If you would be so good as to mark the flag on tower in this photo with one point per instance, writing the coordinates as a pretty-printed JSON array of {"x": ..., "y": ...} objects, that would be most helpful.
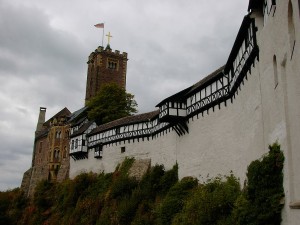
[{"x": 99, "y": 25}]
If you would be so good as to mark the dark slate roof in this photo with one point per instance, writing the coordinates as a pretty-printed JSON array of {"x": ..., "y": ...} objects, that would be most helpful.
[
  {"x": 178, "y": 97},
  {"x": 61, "y": 113},
  {"x": 181, "y": 96},
  {"x": 126, "y": 121},
  {"x": 255, "y": 4},
  {"x": 82, "y": 129},
  {"x": 77, "y": 114},
  {"x": 206, "y": 80},
  {"x": 78, "y": 122},
  {"x": 238, "y": 42}
]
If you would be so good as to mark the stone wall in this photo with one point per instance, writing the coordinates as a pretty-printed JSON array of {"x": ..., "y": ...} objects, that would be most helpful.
[{"x": 26, "y": 181}]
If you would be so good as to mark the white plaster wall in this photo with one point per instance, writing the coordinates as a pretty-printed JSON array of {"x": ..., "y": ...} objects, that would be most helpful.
[
  {"x": 161, "y": 150},
  {"x": 281, "y": 105},
  {"x": 225, "y": 140},
  {"x": 229, "y": 138}
]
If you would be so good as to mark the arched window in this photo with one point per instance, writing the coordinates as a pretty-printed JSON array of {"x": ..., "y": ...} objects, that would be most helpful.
[
  {"x": 275, "y": 70},
  {"x": 58, "y": 134},
  {"x": 65, "y": 152},
  {"x": 56, "y": 154},
  {"x": 67, "y": 133},
  {"x": 291, "y": 28}
]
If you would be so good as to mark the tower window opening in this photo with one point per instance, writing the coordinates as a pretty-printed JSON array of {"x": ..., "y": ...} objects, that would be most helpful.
[{"x": 112, "y": 64}]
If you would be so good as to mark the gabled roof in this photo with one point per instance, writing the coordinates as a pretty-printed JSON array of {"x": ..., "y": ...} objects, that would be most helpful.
[
  {"x": 62, "y": 113},
  {"x": 126, "y": 121},
  {"x": 75, "y": 115},
  {"x": 82, "y": 129}
]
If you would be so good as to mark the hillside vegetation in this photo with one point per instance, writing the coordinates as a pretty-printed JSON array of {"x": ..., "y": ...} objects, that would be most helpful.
[{"x": 159, "y": 198}]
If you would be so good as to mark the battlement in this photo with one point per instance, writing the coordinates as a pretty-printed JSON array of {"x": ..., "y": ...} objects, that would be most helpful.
[{"x": 106, "y": 51}]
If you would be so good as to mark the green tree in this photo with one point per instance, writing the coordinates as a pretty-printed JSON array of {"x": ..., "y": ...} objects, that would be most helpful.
[{"x": 111, "y": 103}]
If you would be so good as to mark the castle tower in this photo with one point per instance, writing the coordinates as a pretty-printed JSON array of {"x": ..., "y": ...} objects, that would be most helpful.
[{"x": 105, "y": 66}]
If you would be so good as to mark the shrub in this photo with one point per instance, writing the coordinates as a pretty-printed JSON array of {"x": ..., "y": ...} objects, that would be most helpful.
[
  {"x": 260, "y": 202},
  {"x": 174, "y": 200},
  {"x": 210, "y": 203}
]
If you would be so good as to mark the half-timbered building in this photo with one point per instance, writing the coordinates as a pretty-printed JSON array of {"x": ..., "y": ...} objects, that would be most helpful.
[
  {"x": 227, "y": 119},
  {"x": 215, "y": 126}
]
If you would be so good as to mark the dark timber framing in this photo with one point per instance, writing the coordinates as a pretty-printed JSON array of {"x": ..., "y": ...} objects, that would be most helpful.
[{"x": 175, "y": 111}]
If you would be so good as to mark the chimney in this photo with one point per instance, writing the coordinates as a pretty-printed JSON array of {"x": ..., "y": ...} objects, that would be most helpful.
[{"x": 41, "y": 120}]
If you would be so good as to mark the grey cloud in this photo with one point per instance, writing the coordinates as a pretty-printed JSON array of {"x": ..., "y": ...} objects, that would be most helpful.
[{"x": 44, "y": 46}]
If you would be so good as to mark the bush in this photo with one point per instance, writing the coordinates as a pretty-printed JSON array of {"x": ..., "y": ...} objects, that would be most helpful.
[
  {"x": 211, "y": 203},
  {"x": 174, "y": 200},
  {"x": 260, "y": 202}
]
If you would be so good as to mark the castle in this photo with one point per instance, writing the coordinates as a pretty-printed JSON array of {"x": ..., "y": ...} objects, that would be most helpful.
[{"x": 215, "y": 126}]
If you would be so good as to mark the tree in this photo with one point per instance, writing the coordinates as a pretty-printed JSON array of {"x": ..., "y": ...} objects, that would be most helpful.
[{"x": 112, "y": 102}]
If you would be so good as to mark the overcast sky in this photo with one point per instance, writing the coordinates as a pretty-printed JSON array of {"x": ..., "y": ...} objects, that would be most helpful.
[{"x": 44, "y": 47}]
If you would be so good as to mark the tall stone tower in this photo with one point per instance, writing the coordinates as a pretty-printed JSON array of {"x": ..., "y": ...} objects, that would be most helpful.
[{"x": 105, "y": 66}]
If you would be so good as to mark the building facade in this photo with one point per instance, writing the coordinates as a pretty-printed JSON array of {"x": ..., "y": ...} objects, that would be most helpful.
[
  {"x": 50, "y": 159},
  {"x": 64, "y": 135},
  {"x": 216, "y": 126},
  {"x": 226, "y": 120}
]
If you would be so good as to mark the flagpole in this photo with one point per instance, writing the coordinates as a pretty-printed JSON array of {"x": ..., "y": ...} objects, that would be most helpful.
[
  {"x": 102, "y": 37},
  {"x": 101, "y": 25}
]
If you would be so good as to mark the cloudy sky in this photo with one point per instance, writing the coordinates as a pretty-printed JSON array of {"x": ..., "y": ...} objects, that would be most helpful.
[{"x": 44, "y": 46}]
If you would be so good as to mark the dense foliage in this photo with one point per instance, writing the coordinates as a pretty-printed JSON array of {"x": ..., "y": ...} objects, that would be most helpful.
[
  {"x": 111, "y": 103},
  {"x": 159, "y": 198},
  {"x": 260, "y": 202}
]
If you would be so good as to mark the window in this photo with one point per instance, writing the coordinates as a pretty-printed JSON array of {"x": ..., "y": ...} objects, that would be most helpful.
[
  {"x": 65, "y": 152},
  {"x": 56, "y": 154},
  {"x": 67, "y": 134},
  {"x": 76, "y": 143},
  {"x": 72, "y": 146},
  {"x": 58, "y": 134},
  {"x": 98, "y": 152},
  {"x": 83, "y": 142},
  {"x": 123, "y": 149},
  {"x": 112, "y": 64},
  {"x": 275, "y": 71}
]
